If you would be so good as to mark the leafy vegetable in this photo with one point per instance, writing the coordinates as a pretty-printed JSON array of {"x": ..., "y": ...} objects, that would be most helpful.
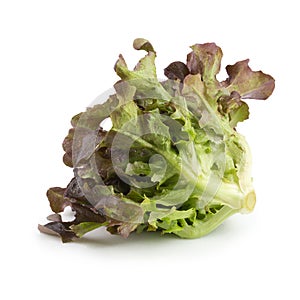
[{"x": 172, "y": 161}]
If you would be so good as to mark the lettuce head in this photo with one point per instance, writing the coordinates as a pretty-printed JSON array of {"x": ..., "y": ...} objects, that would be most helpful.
[{"x": 172, "y": 160}]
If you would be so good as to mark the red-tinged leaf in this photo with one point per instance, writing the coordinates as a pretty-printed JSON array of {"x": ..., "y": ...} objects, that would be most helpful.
[
  {"x": 57, "y": 200},
  {"x": 249, "y": 84},
  {"x": 67, "y": 146},
  {"x": 205, "y": 60},
  {"x": 176, "y": 70},
  {"x": 58, "y": 228}
]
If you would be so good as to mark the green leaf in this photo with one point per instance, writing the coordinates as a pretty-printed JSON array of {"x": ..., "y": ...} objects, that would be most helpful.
[
  {"x": 143, "y": 77},
  {"x": 239, "y": 114},
  {"x": 85, "y": 227},
  {"x": 144, "y": 69},
  {"x": 232, "y": 106},
  {"x": 127, "y": 109}
]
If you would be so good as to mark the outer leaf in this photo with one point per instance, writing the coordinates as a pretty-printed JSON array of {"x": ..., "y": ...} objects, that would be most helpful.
[
  {"x": 239, "y": 114},
  {"x": 68, "y": 142},
  {"x": 67, "y": 146},
  {"x": 249, "y": 84},
  {"x": 57, "y": 200},
  {"x": 232, "y": 106},
  {"x": 84, "y": 215},
  {"x": 58, "y": 228},
  {"x": 143, "y": 77},
  {"x": 143, "y": 44},
  {"x": 127, "y": 109},
  {"x": 84, "y": 227},
  {"x": 205, "y": 60},
  {"x": 145, "y": 67},
  {"x": 177, "y": 70},
  {"x": 73, "y": 191}
]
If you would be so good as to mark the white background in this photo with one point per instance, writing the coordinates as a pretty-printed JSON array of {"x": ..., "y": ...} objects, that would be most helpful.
[{"x": 55, "y": 58}]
